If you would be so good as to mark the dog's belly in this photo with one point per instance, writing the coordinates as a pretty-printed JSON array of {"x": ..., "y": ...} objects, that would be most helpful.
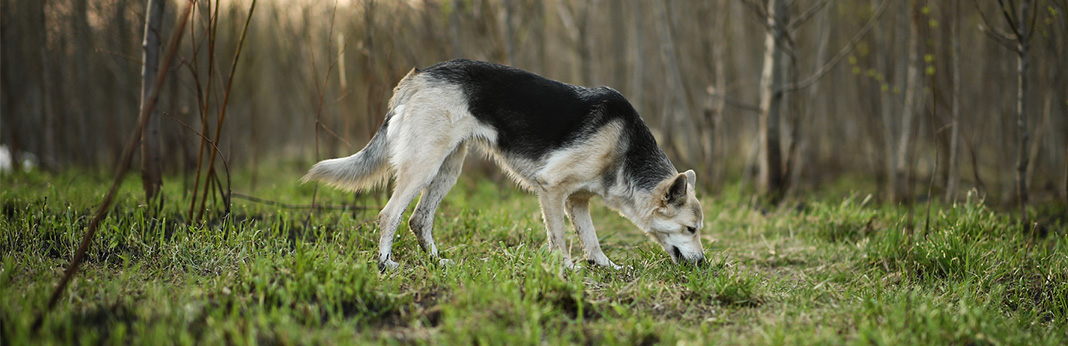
[{"x": 578, "y": 166}]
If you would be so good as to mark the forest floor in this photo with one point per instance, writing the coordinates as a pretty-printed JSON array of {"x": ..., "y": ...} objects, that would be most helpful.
[{"x": 828, "y": 270}]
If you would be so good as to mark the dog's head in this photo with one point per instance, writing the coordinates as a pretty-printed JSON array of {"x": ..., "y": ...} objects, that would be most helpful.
[{"x": 676, "y": 218}]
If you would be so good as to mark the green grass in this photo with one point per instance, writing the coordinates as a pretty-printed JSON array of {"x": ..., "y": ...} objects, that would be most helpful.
[{"x": 835, "y": 270}]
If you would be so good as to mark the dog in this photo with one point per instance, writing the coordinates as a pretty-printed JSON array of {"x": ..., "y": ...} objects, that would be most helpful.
[{"x": 563, "y": 142}]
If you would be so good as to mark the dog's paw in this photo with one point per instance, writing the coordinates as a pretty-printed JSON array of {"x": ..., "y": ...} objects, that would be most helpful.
[
  {"x": 445, "y": 262},
  {"x": 606, "y": 263},
  {"x": 387, "y": 265}
]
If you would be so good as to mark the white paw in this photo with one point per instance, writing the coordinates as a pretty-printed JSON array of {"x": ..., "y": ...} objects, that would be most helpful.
[
  {"x": 606, "y": 263},
  {"x": 387, "y": 265},
  {"x": 445, "y": 262}
]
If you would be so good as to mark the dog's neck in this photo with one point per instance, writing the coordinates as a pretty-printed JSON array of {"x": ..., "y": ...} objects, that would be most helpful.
[{"x": 634, "y": 202}]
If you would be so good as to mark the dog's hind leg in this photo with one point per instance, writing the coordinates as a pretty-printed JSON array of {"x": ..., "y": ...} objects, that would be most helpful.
[
  {"x": 414, "y": 172},
  {"x": 422, "y": 221},
  {"x": 578, "y": 210}
]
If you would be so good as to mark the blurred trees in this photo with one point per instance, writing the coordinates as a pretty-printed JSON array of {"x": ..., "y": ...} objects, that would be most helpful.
[{"x": 693, "y": 69}]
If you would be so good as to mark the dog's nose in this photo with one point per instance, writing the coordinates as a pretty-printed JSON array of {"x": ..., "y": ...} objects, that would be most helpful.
[{"x": 697, "y": 260}]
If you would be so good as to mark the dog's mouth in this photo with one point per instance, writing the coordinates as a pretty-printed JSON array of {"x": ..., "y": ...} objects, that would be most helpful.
[{"x": 676, "y": 256}]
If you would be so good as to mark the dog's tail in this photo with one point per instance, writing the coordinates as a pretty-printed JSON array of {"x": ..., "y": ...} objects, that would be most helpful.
[
  {"x": 363, "y": 170},
  {"x": 369, "y": 167}
]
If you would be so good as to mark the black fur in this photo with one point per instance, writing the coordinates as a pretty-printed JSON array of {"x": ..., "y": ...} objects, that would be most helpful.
[{"x": 534, "y": 116}]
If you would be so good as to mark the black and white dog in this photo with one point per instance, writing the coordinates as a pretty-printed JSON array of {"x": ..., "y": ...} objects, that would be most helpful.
[{"x": 566, "y": 143}]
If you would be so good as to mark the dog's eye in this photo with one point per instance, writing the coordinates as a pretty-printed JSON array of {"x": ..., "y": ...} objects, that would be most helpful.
[{"x": 691, "y": 230}]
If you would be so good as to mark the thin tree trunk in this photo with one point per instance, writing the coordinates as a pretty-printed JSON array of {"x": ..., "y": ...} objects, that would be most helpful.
[
  {"x": 682, "y": 116},
  {"x": 454, "y": 29},
  {"x": 719, "y": 56},
  {"x": 886, "y": 111},
  {"x": 1023, "y": 56},
  {"x": 772, "y": 182},
  {"x": 83, "y": 93},
  {"x": 908, "y": 112},
  {"x": 804, "y": 152},
  {"x": 50, "y": 159},
  {"x": 954, "y": 141},
  {"x": 509, "y": 28},
  {"x": 150, "y": 144},
  {"x": 619, "y": 46},
  {"x": 637, "y": 81}
]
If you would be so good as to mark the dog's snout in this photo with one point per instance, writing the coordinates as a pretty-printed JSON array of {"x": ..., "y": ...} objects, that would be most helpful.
[{"x": 699, "y": 261}]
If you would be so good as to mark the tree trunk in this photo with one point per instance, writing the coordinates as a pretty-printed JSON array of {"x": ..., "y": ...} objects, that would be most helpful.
[
  {"x": 908, "y": 112},
  {"x": 804, "y": 153},
  {"x": 454, "y": 29},
  {"x": 637, "y": 81},
  {"x": 1022, "y": 61},
  {"x": 51, "y": 156},
  {"x": 885, "y": 103},
  {"x": 954, "y": 141},
  {"x": 681, "y": 114},
  {"x": 772, "y": 182},
  {"x": 150, "y": 143},
  {"x": 83, "y": 93},
  {"x": 719, "y": 55},
  {"x": 509, "y": 28},
  {"x": 619, "y": 46}
]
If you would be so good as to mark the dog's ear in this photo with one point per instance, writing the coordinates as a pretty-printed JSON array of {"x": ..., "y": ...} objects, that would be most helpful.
[
  {"x": 691, "y": 178},
  {"x": 676, "y": 193}
]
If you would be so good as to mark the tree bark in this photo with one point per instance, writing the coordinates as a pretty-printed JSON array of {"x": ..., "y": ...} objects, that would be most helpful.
[
  {"x": 637, "y": 80},
  {"x": 908, "y": 112},
  {"x": 719, "y": 55},
  {"x": 954, "y": 140},
  {"x": 772, "y": 182},
  {"x": 681, "y": 114},
  {"x": 509, "y": 28},
  {"x": 83, "y": 94},
  {"x": 151, "y": 171},
  {"x": 1023, "y": 49},
  {"x": 885, "y": 103}
]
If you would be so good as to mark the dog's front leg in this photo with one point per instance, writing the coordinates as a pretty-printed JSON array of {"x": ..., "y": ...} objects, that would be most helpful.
[
  {"x": 552, "y": 210},
  {"x": 578, "y": 209}
]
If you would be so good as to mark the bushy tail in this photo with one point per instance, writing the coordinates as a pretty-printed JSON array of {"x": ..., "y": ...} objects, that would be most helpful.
[{"x": 363, "y": 170}]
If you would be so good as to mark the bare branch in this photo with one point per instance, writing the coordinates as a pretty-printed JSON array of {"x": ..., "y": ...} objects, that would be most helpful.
[
  {"x": 225, "y": 162},
  {"x": 1010, "y": 18},
  {"x": 823, "y": 70},
  {"x": 1031, "y": 26},
  {"x": 1000, "y": 38},
  {"x": 736, "y": 102},
  {"x": 804, "y": 17}
]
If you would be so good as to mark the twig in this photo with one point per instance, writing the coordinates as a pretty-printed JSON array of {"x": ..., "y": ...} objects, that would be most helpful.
[
  {"x": 302, "y": 206},
  {"x": 204, "y": 100},
  {"x": 804, "y": 17},
  {"x": 734, "y": 102},
  {"x": 322, "y": 90},
  {"x": 807, "y": 82},
  {"x": 226, "y": 98},
  {"x": 225, "y": 162},
  {"x": 120, "y": 172}
]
